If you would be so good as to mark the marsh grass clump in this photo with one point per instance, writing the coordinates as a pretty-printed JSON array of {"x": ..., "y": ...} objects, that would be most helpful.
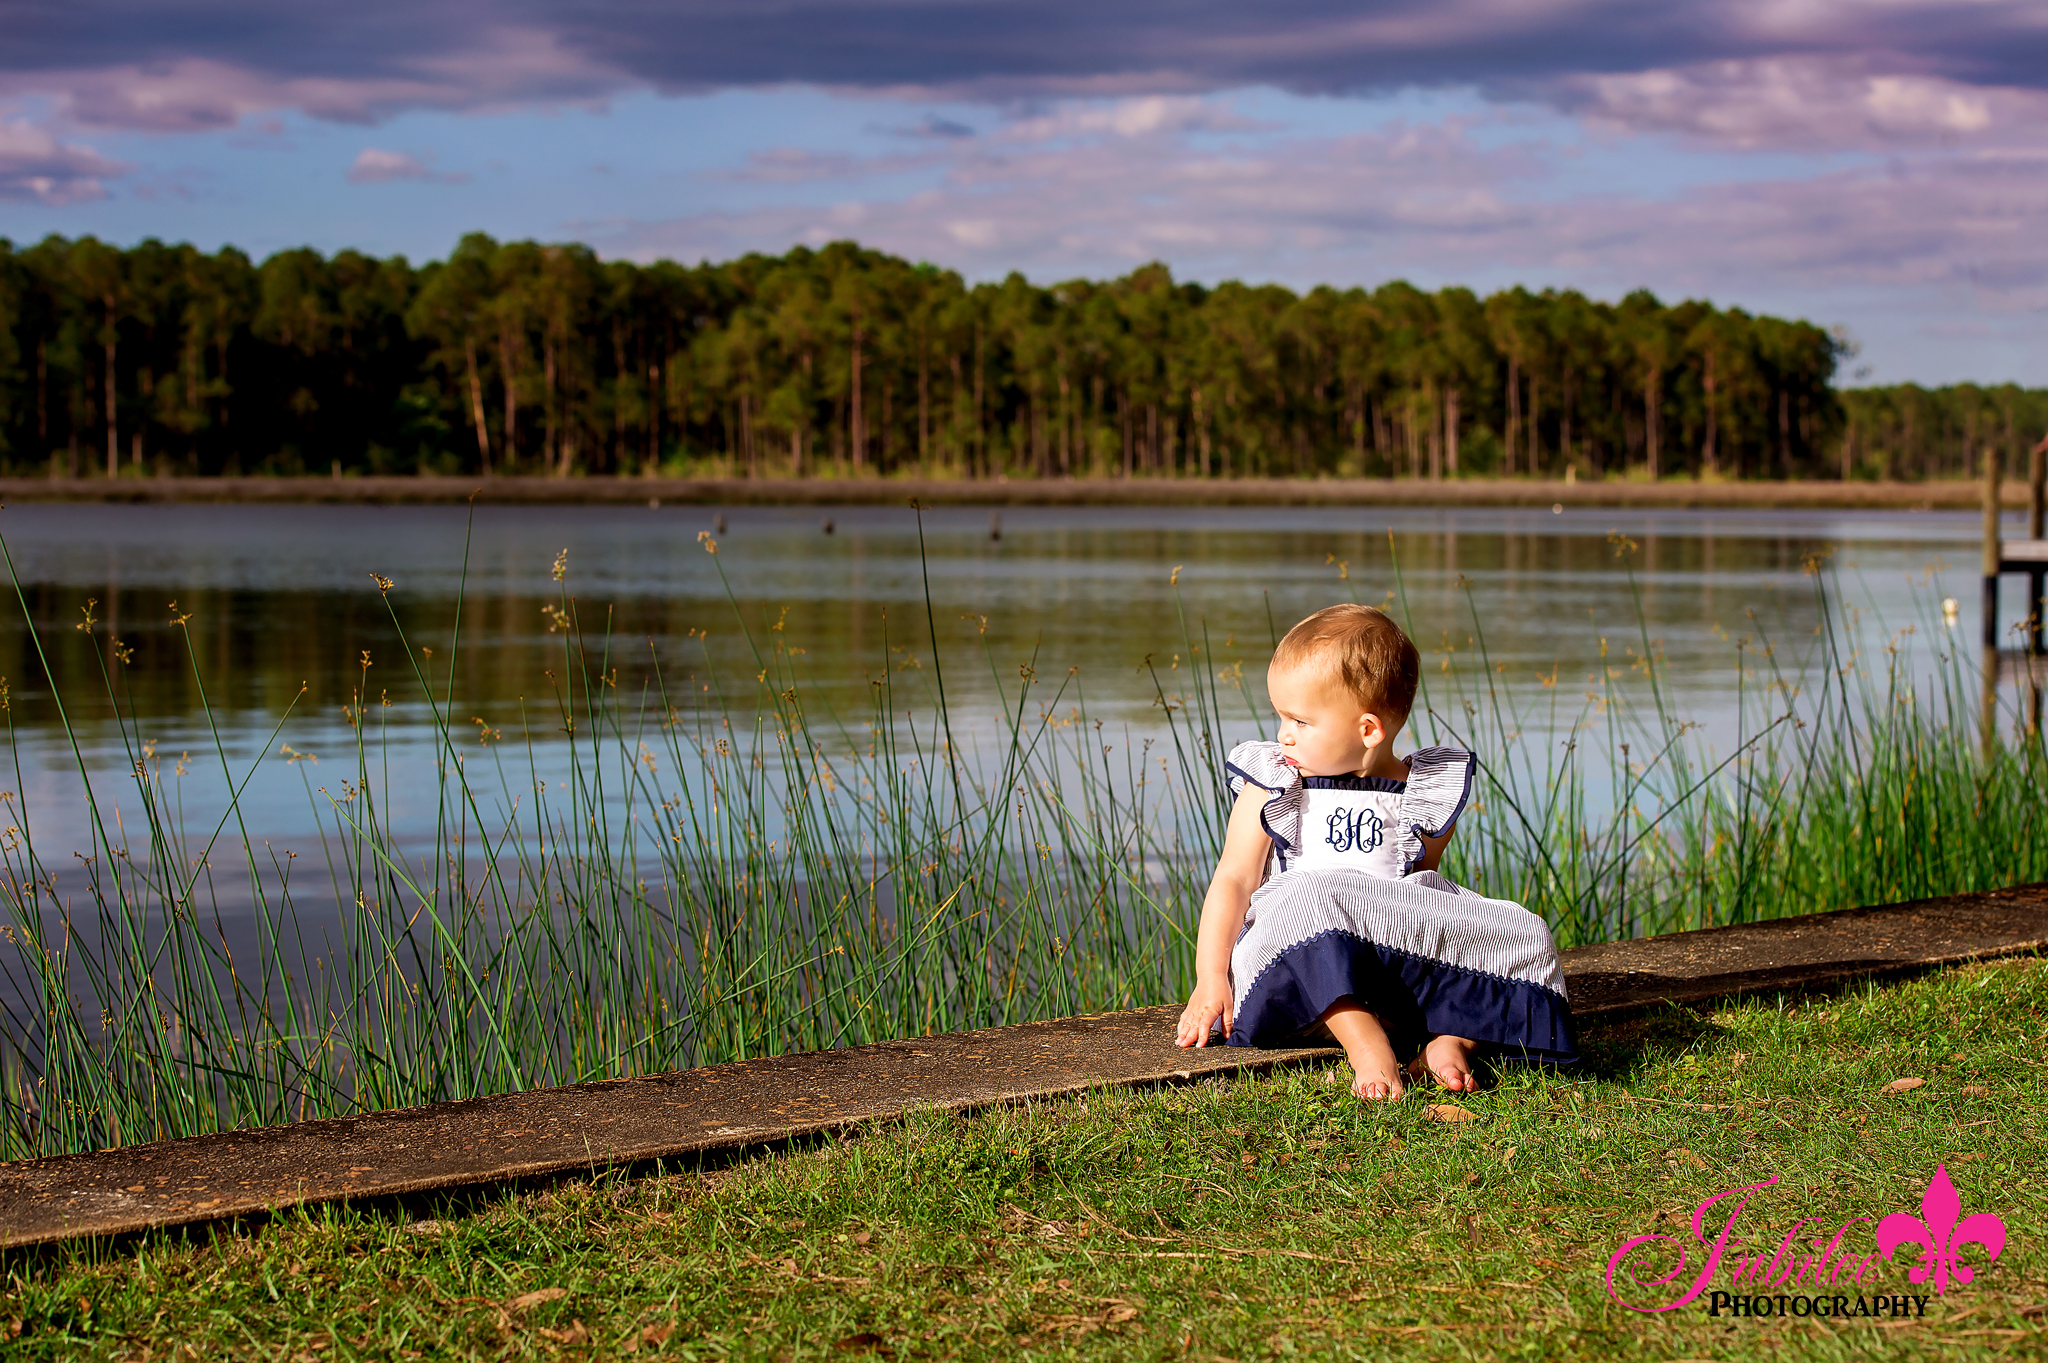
[
  {"x": 660, "y": 874},
  {"x": 693, "y": 878}
]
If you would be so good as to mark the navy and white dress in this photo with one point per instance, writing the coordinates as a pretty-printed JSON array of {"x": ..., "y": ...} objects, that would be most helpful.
[{"x": 1343, "y": 910}]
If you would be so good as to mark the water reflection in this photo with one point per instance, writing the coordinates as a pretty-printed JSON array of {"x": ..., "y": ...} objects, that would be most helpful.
[{"x": 282, "y": 614}]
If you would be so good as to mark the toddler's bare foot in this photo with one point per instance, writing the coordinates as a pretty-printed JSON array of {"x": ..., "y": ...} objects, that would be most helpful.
[
  {"x": 1377, "y": 1086},
  {"x": 1377, "y": 1074},
  {"x": 1449, "y": 1058}
]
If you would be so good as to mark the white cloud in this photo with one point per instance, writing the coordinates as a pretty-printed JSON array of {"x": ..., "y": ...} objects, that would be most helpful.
[
  {"x": 1445, "y": 201},
  {"x": 1803, "y": 104},
  {"x": 35, "y": 166},
  {"x": 506, "y": 66},
  {"x": 374, "y": 165},
  {"x": 1143, "y": 116}
]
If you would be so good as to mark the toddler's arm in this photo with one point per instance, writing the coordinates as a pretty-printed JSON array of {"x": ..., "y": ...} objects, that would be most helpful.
[
  {"x": 1433, "y": 849},
  {"x": 1238, "y": 872}
]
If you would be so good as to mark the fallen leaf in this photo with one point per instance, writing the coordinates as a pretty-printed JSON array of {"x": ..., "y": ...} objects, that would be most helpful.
[
  {"x": 1965, "y": 1159},
  {"x": 653, "y": 1336},
  {"x": 425, "y": 1228},
  {"x": 1449, "y": 1112},
  {"x": 1681, "y": 1155},
  {"x": 1119, "y": 1314},
  {"x": 1976, "y": 1091},
  {"x": 862, "y": 1237},
  {"x": 1471, "y": 1180},
  {"x": 576, "y": 1333},
  {"x": 866, "y": 1342},
  {"x": 1509, "y": 1156},
  {"x": 526, "y": 1300},
  {"x": 1906, "y": 1085}
]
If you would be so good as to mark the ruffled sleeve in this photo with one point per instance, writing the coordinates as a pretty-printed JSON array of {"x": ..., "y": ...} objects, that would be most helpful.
[
  {"x": 1439, "y": 785},
  {"x": 1260, "y": 764}
]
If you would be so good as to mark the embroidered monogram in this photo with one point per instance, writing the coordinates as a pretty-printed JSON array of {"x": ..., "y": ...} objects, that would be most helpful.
[
  {"x": 1357, "y": 828},
  {"x": 1352, "y": 829}
]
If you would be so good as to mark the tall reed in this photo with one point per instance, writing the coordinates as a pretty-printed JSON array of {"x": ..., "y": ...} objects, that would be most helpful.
[
  {"x": 651, "y": 877},
  {"x": 1866, "y": 769}
]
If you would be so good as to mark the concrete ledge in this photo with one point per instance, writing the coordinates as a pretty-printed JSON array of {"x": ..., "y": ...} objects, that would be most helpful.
[
  {"x": 1811, "y": 952},
  {"x": 752, "y": 1103}
]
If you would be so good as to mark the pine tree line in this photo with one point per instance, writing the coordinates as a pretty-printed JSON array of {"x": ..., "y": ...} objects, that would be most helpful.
[{"x": 518, "y": 357}]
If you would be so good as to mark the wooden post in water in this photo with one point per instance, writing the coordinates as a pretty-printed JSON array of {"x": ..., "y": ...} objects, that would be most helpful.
[
  {"x": 2037, "y": 576},
  {"x": 1994, "y": 554},
  {"x": 1993, "y": 548},
  {"x": 2037, "y": 580}
]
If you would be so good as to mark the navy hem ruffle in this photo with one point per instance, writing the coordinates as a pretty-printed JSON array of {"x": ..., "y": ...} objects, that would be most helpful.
[{"x": 1413, "y": 996}]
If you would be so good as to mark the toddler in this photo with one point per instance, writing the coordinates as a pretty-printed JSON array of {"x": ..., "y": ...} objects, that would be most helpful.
[{"x": 1326, "y": 914}]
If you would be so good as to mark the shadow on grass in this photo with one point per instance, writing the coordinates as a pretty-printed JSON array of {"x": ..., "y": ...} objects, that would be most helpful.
[{"x": 1620, "y": 1050}]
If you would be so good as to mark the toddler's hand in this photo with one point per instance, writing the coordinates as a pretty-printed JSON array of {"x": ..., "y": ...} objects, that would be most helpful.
[{"x": 1209, "y": 1004}]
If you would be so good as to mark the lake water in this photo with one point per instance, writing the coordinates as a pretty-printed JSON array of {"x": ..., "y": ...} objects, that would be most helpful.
[{"x": 281, "y": 610}]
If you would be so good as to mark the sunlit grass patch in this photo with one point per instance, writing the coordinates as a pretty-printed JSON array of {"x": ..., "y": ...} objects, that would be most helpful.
[{"x": 1242, "y": 1218}]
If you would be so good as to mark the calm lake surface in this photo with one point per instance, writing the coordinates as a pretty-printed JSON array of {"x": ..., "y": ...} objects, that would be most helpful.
[{"x": 282, "y": 611}]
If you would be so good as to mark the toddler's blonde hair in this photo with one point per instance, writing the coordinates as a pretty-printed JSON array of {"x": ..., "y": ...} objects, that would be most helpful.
[{"x": 1365, "y": 650}]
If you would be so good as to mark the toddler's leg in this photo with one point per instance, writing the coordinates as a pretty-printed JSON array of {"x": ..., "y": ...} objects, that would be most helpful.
[
  {"x": 1365, "y": 1043},
  {"x": 1449, "y": 1058}
]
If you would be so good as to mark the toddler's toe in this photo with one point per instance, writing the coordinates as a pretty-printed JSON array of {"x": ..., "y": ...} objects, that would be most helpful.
[
  {"x": 1375, "y": 1088},
  {"x": 1449, "y": 1059}
]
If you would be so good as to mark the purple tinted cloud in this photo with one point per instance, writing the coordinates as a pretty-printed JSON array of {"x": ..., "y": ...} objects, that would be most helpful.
[
  {"x": 200, "y": 63},
  {"x": 36, "y": 167},
  {"x": 374, "y": 165},
  {"x": 1436, "y": 200}
]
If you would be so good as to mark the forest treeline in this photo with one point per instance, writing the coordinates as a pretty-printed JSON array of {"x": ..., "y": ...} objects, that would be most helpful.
[{"x": 518, "y": 357}]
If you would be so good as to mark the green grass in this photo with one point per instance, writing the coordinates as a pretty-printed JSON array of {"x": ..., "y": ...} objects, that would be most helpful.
[
  {"x": 721, "y": 868},
  {"x": 1247, "y": 1218}
]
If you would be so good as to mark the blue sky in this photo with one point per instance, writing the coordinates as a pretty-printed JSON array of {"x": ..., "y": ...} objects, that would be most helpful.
[{"x": 1870, "y": 165}]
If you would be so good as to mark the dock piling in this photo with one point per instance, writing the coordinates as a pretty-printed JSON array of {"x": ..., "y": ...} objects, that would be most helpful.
[
  {"x": 2028, "y": 556},
  {"x": 2037, "y": 576},
  {"x": 1994, "y": 547}
]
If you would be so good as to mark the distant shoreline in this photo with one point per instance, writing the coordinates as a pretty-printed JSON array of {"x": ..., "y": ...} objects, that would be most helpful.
[{"x": 396, "y": 491}]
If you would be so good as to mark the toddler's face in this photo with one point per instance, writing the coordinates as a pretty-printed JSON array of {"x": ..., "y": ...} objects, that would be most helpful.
[{"x": 1320, "y": 721}]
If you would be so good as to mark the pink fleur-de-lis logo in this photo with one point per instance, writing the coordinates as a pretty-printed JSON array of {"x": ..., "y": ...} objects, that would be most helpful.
[{"x": 1939, "y": 1236}]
